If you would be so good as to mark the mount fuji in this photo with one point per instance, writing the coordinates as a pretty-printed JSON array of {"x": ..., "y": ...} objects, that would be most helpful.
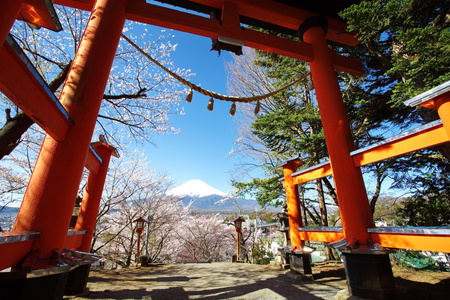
[
  {"x": 204, "y": 197},
  {"x": 195, "y": 188}
]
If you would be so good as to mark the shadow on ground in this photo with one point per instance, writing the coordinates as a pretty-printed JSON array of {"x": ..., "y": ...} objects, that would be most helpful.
[{"x": 241, "y": 281}]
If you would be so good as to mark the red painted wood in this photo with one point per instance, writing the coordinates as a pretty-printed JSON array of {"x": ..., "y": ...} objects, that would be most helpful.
[
  {"x": 93, "y": 195},
  {"x": 293, "y": 203},
  {"x": 33, "y": 100},
  {"x": 352, "y": 197},
  {"x": 49, "y": 200},
  {"x": 9, "y": 10}
]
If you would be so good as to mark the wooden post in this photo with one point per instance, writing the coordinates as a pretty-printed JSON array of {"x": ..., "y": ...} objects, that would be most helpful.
[
  {"x": 48, "y": 202},
  {"x": 442, "y": 105},
  {"x": 138, "y": 254},
  {"x": 293, "y": 204},
  {"x": 93, "y": 195},
  {"x": 238, "y": 246},
  {"x": 352, "y": 197},
  {"x": 369, "y": 273}
]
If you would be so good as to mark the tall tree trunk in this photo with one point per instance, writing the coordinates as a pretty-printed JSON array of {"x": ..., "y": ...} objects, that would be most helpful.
[
  {"x": 330, "y": 253},
  {"x": 130, "y": 250},
  {"x": 376, "y": 195},
  {"x": 12, "y": 131},
  {"x": 302, "y": 203},
  {"x": 322, "y": 205}
]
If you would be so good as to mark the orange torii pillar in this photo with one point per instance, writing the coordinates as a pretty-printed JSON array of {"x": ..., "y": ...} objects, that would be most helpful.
[
  {"x": 442, "y": 105},
  {"x": 77, "y": 280},
  {"x": 9, "y": 10},
  {"x": 293, "y": 204},
  {"x": 368, "y": 272},
  {"x": 50, "y": 197},
  {"x": 93, "y": 194},
  {"x": 438, "y": 99},
  {"x": 299, "y": 259}
]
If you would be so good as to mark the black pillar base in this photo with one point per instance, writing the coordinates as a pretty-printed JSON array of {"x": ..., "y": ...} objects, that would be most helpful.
[
  {"x": 300, "y": 263},
  {"x": 369, "y": 276},
  {"x": 20, "y": 285},
  {"x": 16, "y": 286},
  {"x": 77, "y": 280}
]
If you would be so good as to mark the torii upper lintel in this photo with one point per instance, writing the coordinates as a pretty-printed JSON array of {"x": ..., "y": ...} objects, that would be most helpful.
[
  {"x": 286, "y": 14},
  {"x": 235, "y": 13}
]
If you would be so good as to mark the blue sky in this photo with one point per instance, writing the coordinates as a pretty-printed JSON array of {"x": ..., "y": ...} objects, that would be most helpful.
[{"x": 201, "y": 150}]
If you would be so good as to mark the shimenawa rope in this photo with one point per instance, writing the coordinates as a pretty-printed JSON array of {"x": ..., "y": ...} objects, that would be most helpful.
[{"x": 210, "y": 93}]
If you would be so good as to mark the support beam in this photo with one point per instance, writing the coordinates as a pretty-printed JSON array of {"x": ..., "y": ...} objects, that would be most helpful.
[
  {"x": 321, "y": 234},
  {"x": 169, "y": 18},
  {"x": 79, "y": 4},
  {"x": 264, "y": 10},
  {"x": 23, "y": 85},
  {"x": 423, "y": 137},
  {"x": 442, "y": 104},
  {"x": 93, "y": 161},
  {"x": 426, "y": 99},
  {"x": 438, "y": 242},
  {"x": 74, "y": 239},
  {"x": 312, "y": 173},
  {"x": 182, "y": 21},
  {"x": 437, "y": 98},
  {"x": 415, "y": 238},
  {"x": 14, "y": 246}
]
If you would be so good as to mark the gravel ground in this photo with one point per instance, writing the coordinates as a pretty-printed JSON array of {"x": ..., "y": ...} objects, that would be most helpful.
[{"x": 245, "y": 281}]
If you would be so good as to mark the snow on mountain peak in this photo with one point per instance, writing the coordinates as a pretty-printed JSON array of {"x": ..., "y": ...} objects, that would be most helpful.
[{"x": 196, "y": 188}]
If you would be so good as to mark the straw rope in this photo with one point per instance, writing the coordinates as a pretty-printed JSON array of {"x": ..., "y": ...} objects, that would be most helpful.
[{"x": 207, "y": 92}]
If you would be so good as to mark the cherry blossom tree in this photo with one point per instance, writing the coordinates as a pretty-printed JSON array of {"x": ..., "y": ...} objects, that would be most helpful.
[
  {"x": 139, "y": 97},
  {"x": 138, "y": 101},
  {"x": 15, "y": 169},
  {"x": 132, "y": 191},
  {"x": 204, "y": 238}
]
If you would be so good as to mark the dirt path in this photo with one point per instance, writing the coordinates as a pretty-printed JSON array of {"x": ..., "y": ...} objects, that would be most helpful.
[
  {"x": 208, "y": 281},
  {"x": 245, "y": 281}
]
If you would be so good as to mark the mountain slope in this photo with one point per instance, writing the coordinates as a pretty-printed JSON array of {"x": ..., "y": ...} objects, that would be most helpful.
[{"x": 204, "y": 197}]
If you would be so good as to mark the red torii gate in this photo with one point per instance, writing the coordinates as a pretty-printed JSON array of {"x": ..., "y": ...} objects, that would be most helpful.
[{"x": 56, "y": 176}]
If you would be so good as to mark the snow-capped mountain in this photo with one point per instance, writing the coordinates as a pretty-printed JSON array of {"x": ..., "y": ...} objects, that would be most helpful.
[
  {"x": 195, "y": 188},
  {"x": 206, "y": 198}
]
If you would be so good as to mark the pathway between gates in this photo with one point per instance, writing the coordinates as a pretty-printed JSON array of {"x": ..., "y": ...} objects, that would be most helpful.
[
  {"x": 245, "y": 281},
  {"x": 211, "y": 281}
]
